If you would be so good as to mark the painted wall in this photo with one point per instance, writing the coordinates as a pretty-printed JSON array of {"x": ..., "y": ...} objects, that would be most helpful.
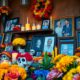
[{"x": 62, "y": 8}]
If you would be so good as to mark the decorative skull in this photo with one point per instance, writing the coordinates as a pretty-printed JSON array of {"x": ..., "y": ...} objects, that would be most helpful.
[
  {"x": 5, "y": 57},
  {"x": 24, "y": 60}
]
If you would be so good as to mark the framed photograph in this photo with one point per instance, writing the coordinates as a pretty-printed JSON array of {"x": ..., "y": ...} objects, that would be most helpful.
[
  {"x": 78, "y": 38},
  {"x": 77, "y": 23},
  {"x": 1, "y": 38},
  {"x": 66, "y": 46},
  {"x": 45, "y": 24},
  {"x": 7, "y": 38},
  {"x": 9, "y": 48},
  {"x": 37, "y": 43},
  {"x": 11, "y": 23},
  {"x": 64, "y": 27},
  {"x": 49, "y": 43}
]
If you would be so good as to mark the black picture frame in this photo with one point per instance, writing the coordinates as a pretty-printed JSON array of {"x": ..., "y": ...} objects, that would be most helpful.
[
  {"x": 51, "y": 39},
  {"x": 66, "y": 46},
  {"x": 77, "y": 23},
  {"x": 45, "y": 24},
  {"x": 37, "y": 44},
  {"x": 10, "y": 23},
  {"x": 1, "y": 38},
  {"x": 61, "y": 29},
  {"x": 7, "y": 38},
  {"x": 28, "y": 46},
  {"x": 78, "y": 38}
]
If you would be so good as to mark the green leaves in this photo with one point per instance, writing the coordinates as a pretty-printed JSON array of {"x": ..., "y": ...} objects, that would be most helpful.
[{"x": 46, "y": 63}]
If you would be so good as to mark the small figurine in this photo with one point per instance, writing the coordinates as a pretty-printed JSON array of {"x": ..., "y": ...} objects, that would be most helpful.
[
  {"x": 24, "y": 60},
  {"x": 5, "y": 57}
]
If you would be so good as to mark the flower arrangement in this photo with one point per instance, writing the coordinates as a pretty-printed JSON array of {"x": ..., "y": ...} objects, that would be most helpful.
[
  {"x": 42, "y": 8},
  {"x": 4, "y": 10},
  {"x": 54, "y": 74},
  {"x": 13, "y": 72},
  {"x": 19, "y": 41},
  {"x": 73, "y": 74},
  {"x": 66, "y": 63}
]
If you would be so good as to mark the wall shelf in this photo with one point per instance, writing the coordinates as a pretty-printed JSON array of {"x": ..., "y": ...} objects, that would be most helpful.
[{"x": 31, "y": 32}]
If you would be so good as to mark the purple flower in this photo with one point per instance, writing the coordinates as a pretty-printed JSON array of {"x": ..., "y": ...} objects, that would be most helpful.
[{"x": 54, "y": 74}]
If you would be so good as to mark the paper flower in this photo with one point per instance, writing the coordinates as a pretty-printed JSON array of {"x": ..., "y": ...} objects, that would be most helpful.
[
  {"x": 73, "y": 74},
  {"x": 54, "y": 74},
  {"x": 42, "y": 9},
  {"x": 19, "y": 41}
]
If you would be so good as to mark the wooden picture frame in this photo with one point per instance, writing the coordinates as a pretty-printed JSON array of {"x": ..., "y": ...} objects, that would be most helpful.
[
  {"x": 78, "y": 38},
  {"x": 11, "y": 23},
  {"x": 1, "y": 38},
  {"x": 59, "y": 25},
  {"x": 45, "y": 24},
  {"x": 77, "y": 23},
  {"x": 7, "y": 38},
  {"x": 66, "y": 46}
]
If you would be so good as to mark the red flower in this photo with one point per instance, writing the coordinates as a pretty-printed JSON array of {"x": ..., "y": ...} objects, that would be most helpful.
[
  {"x": 46, "y": 15},
  {"x": 13, "y": 75},
  {"x": 16, "y": 28}
]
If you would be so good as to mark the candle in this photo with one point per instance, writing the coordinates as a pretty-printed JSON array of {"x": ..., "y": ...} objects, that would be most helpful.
[
  {"x": 51, "y": 27},
  {"x": 34, "y": 27},
  {"x": 38, "y": 26},
  {"x": 53, "y": 54},
  {"x": 22, "y": 28},
  {"x": 27, "y": 26},
  {"x": 55, "y": 51}
]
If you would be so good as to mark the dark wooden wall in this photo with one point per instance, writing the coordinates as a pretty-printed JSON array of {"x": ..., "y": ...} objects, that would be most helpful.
[{"x": 62, "y": 8}]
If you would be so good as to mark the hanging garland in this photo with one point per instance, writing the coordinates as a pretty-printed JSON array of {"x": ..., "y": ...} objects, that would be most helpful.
[{"x": 42, "y": 8}]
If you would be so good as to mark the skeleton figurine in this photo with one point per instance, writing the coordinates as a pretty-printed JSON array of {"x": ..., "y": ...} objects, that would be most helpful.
[
  {"x": 24, "y": 60},
  {"x": 5, "y": 57}
]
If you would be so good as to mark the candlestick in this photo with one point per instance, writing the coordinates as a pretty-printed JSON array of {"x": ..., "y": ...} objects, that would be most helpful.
[
  {"x": 51, "y": 23},
  {"x": 53, "y": 54},
  {"x": 27, "y": 20},
  {"x": 55, "y": 51}
]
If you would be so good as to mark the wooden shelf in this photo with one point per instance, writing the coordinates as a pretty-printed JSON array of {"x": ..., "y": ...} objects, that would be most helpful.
[{"x": 31, "y": 31}]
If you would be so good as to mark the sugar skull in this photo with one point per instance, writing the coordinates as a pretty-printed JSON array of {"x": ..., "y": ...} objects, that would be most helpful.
[
  {"x": 24, "y": 60},
  {"x": 5, "y": 57}
]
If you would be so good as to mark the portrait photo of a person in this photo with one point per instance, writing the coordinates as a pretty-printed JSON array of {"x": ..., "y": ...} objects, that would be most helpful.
[
  {"x": 58, "y": 29},
  {"x": 67, "y": 29},
  {"x": 49, "y": 44},
  {"x": 37, "y": 43},
  {"x": 45, "y": 24},
  {"x": 67, "y": 49}
]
